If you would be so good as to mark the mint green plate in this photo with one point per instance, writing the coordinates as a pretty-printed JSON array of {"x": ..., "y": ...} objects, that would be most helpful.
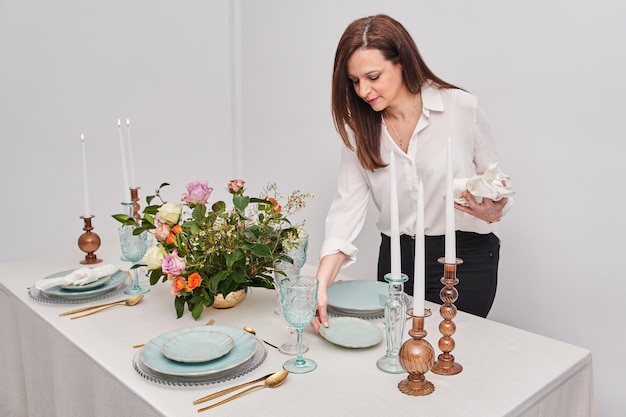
[
  {"x": 351, "y": 332},
  {"x": 358, "y": 296},
  {"x": 243, "y": 349},
  {"x": 109, "y": 284},
  {"x": 197, "y": 346}
]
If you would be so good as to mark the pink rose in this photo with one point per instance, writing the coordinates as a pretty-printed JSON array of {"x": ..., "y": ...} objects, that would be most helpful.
[
  {"x": 198, "y": 192},
  {"x": 162, "y": 231},
  {"x": 173, "y": 264},
  {"x": 235, "y": 185},
  {"x": 177, "y": 285}
]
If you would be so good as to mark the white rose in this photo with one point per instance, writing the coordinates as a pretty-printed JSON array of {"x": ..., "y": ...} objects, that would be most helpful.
[
  {"x": 170, "y": 213},
  {"x": 154, "y": 257}
]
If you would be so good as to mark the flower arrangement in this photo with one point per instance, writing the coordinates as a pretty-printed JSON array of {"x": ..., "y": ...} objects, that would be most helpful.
[{"x": 204, "y": 251}]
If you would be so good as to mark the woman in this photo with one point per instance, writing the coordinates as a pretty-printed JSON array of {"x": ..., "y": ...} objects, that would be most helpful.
[{"x": 385, "y": 99}]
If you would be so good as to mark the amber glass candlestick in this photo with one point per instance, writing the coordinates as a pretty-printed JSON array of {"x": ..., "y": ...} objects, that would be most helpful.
[
  {"x": 445, "y": 364},
  {"x": 134, "y": 197},
  {"x": 416, "y": 357},
  {"x": 89, "y": 242}
]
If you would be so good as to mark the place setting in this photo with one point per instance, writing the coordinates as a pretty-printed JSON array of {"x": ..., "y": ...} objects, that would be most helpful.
[
  {"x": 298, "y": 300},
  {"x": 81, "y": 285},
  {"x": 202, "y": 355},
  {"x": 199, "y": 355}
]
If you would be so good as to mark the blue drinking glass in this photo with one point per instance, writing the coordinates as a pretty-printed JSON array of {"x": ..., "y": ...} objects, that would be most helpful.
[
  {"x": 134, "y": 247},
  {"x": 298, "y": 299}
]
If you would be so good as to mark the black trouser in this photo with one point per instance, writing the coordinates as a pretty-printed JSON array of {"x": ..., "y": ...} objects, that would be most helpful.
[{"x": 478, "y": 274}]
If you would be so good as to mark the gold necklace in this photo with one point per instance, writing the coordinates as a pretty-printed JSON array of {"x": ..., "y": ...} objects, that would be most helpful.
[
  {"x": 385, "y": 115},
  {"x": 394, "y": 130}
]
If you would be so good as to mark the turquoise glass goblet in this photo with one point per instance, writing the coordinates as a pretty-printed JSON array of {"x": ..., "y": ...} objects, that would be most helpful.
[
  {"x": 298, "y": 300},
  {"x": 297, "y": 251},
  {"x": 134, "y": 247}
]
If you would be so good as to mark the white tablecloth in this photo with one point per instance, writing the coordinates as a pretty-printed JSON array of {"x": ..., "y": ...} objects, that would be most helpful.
[{"x": 54, "y": 366}]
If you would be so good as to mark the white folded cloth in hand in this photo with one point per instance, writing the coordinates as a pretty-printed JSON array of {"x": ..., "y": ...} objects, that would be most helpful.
[
  {"x": 81, "y": 276},
  {"x": 493, "y": 184}
]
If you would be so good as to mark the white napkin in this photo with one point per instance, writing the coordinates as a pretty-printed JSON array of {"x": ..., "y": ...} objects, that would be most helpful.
[
  {"x": 489, "y": 185},
  {"x": 81, "y": 276}
]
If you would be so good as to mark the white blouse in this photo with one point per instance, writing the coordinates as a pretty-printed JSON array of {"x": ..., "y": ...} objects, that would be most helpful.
[{"x": 445, "y": 112}]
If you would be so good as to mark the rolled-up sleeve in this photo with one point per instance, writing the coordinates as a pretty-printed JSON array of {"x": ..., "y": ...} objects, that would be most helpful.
[
  {"x": 348, "y": 210},
  {"x": 484, "y": 147}
]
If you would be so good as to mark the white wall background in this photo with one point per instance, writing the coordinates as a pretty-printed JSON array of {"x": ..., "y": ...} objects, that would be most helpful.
[{"x": 205, "y": 104}]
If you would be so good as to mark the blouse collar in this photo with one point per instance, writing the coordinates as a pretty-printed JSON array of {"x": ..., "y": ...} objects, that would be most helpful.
[{"x": 431, "y": 98}]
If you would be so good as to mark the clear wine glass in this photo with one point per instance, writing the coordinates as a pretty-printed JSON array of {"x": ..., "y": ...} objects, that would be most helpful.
[
  {"x": 298, "y": 300},
  {"x": 134, "y": 247}
]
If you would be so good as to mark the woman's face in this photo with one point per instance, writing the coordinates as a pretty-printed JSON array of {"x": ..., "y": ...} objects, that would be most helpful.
[{"x": 375, "y": 80}]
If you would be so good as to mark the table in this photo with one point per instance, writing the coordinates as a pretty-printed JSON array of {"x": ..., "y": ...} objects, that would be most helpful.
[{"x": 53, "y": 366}]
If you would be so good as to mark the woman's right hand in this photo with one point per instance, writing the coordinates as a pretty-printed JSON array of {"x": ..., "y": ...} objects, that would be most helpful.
[
  {"x": 321, "y": 316},
  {"x": 326, "y": 274}
]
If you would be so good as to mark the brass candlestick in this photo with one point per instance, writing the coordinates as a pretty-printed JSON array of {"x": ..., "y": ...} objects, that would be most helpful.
[
  {"x": 417, "y": 357},
  {"x": 134, "y": 197},
  {"x": 89, "y": 242},
  {"x": 445, "y": 364}
]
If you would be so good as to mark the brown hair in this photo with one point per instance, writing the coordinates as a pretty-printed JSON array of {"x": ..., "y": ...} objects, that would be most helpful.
[{"x": 396, "y": 45}]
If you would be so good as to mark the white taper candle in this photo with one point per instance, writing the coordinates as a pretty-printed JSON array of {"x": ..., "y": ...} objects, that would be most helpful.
[
  {"x": 86, "y": 208},
  {"x": 396, "y": 269},
  {"x": 131, "y": 159},
  {"x": 419, "y": 276},
  {"x": 450, "y": 242},
  {"x": 124, "y": 168}
]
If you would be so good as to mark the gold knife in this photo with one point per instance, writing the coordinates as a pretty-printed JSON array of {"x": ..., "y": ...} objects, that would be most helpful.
[
  {"x": 229, "y": 390},
  {"x": 80, "y": 310}
]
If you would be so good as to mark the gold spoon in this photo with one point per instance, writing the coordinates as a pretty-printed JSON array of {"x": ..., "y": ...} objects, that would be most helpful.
[
  {"x": 80, "y": 310},
  {"x": 130, "y": 302},
  {"x": 251, "y": 331},
  {"x": 271, "y": 382}
]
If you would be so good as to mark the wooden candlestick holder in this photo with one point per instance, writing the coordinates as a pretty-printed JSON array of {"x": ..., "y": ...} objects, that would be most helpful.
[
  {"x": 445, "y": 364},
  {"x": 89, "y": 242},
  {"x": 417, "y": 357},
  {"x": 134, "y": 197}
]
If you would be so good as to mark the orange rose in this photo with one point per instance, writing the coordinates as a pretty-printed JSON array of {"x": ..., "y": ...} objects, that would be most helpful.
[
  {"x": 171, "y": 239},
  {"x": 177, "y": 229},
  {"x": 193, "y": 281},
  {"x": 276, "y": 207}
]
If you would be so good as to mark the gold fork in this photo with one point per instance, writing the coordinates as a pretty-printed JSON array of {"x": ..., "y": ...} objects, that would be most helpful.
[{"x": 209, "y": 323}]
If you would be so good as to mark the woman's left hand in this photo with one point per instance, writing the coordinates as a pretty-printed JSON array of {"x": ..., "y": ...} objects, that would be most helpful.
[{"x": 488, "y": 210}]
